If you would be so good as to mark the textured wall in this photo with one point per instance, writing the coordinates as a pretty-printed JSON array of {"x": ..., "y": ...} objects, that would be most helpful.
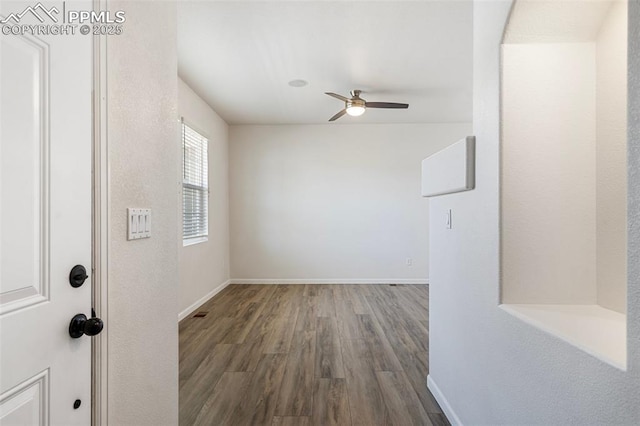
[
  {"x": 204, "y": 267},
  {"x": 548, "y": 173},
  {"x": 564, "y": 156},
  {"x": 143, "y": 274},
  {"x": 611, "y": 159},
  {"x": 489, "y": 367},
  {"x": 331, "y": 202},
  {"x": 633, "y": 194}
]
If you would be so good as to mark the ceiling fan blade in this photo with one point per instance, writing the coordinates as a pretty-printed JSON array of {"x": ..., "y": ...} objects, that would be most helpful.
[
  {"x": 335, "y": 95},
  {"x": 393, "y": 105},
  {"x": 338, "y": 115}
]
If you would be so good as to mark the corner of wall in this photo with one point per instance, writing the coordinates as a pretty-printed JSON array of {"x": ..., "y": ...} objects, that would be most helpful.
[{"x": 142, "y": 274}]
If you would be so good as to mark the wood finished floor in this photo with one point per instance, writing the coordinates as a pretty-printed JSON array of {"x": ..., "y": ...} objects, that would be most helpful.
[{"x": 308, "y": 355}]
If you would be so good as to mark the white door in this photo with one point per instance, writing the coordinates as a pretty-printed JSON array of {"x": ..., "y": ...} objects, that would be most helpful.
[{"x": 45, "y": 217}]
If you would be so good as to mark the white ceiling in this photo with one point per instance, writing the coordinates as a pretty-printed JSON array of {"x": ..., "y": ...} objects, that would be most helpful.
[{"x": 239, "y": 56}]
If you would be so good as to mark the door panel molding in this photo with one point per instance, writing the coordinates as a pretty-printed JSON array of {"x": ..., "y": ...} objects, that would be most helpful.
[
  {"x": 27, "y": 402},
  {"x": 25, "y": 272}
]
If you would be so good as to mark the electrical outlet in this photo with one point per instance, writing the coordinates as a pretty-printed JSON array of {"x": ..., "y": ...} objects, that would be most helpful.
[{"x": 409, "y": 261}]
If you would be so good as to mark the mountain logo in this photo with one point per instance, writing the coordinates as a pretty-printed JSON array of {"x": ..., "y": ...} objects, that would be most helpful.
[{"x": 38, "y": 10}]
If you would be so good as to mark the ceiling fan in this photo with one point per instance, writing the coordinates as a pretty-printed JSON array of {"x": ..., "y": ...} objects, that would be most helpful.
[{"x": 356, "y": 105}]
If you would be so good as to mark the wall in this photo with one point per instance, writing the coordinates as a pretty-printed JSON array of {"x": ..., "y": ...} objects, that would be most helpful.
[
  {"x": 564, "y": 146},
  {"x": 611, "y": 190},
  {"x": 487, "y": 367},
  {"x": 548, "y": 173},
  {"x": 204, "y": 267},
  {"x": 338, "y": 203},
  {"x": 143, "y": 275}
]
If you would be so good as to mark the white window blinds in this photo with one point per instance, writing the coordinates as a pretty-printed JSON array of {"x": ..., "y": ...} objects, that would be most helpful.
[{"x": 195, "y": 184}]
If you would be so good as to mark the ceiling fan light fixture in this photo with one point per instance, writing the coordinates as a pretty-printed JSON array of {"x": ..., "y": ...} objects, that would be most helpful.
[
  {"x": 355, "y": 111},
  {"x": 356, "y": 106}
]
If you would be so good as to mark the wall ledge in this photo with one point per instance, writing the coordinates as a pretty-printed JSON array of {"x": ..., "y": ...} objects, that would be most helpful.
[{"x": 600, "y": 332}]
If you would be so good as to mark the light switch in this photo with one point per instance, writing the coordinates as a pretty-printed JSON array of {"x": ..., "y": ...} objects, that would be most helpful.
[
  {"x": 133, "y": 223},
  {"x": 448, "y": 223},
  {"x": 139, "y": 223}
]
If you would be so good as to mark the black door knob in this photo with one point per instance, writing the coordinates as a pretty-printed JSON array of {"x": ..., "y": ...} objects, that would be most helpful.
[
  {"x": 80, "y": 325},
  {"x": 77, "y": 276}
]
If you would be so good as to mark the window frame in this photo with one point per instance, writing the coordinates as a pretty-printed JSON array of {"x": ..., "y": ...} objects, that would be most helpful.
[{"x": 205, "y": 191}]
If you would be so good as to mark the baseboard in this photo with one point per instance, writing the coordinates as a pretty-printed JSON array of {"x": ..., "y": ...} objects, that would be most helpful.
[
  {"x": 330, "y": 281},
  {"x": 185, "y": 313},
  {"x": 182, "y": 315},
  {"x": 444, "y": 403}
]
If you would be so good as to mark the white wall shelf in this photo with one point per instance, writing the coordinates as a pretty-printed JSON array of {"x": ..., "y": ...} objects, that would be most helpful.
[
  {"x": 596, "y": 330},
  {"x": 450, "y": 170}
]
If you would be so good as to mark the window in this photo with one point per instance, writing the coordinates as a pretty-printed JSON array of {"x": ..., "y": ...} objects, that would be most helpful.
[{"x": 195, "y": 186}]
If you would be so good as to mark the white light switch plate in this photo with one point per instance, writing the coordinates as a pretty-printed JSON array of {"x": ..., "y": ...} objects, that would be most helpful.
[{"x": 138, "y": 223}]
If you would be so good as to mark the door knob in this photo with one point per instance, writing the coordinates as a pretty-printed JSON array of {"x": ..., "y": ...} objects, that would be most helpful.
[{"x": 80, "y": 325}]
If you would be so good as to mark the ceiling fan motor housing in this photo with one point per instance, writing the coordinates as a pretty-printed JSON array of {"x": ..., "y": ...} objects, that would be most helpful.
[{"x": 355, "y": 103}]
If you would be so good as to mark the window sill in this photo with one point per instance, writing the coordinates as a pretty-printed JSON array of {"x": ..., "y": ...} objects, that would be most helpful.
[
  {"x": 598, "y": 331},
  {"x": 194, "y": 241}
]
